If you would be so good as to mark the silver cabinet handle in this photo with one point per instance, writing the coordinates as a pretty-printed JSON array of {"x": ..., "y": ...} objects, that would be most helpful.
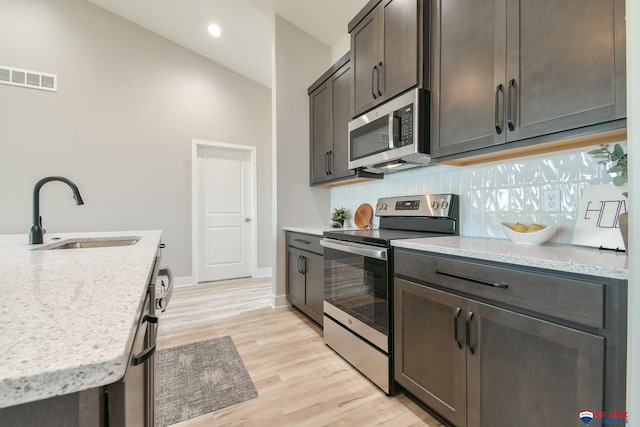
[
  {"x": 247, "y": 220},
  {"x": 356, "y": 249}
]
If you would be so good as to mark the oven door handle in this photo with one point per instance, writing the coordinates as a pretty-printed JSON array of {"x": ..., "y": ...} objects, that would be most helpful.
[{"x": 356, "y": 248}]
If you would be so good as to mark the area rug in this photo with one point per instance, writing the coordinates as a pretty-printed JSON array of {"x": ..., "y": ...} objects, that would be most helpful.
[{"x": 198, "y": 378}]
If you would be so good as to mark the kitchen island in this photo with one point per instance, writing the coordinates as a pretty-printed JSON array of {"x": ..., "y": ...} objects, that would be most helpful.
[{"x": 68, "y": 316}]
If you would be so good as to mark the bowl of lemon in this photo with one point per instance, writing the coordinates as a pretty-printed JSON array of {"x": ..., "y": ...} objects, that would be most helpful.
[{"x": 531, "y": 234}]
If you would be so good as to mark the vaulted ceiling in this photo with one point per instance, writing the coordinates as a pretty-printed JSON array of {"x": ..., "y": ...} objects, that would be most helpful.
[{"x": 245, "y": 44}]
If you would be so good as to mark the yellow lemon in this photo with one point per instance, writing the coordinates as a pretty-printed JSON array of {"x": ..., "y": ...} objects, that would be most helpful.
[
  {"x": 533, "y": 228},
  {"x": 520, "y": 228}
]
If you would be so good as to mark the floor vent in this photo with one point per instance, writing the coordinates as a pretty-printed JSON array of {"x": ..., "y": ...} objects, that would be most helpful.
[{"x": 26, "y": 78}]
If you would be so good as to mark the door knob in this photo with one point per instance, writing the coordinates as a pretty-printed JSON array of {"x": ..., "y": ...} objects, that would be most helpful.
[{"x": 247, "y": 220}]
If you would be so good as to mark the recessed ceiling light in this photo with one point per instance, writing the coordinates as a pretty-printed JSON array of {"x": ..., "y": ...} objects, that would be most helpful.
[{"x": 214, "y": 30}]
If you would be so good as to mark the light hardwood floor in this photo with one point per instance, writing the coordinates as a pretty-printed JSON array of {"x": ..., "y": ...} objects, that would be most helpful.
[{"x": 300, "y": 381}]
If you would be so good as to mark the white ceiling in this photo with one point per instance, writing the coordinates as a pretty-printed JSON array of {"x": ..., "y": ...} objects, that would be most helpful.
[{"x": 245, "y": 45}]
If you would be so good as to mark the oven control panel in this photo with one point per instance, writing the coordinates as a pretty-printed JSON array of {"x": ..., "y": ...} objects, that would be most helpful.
[{"x": 430, "y": 205}]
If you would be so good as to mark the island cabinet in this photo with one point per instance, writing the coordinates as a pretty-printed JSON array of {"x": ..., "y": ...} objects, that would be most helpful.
[
  {"x": 329, "y": 107},
  {"x": 489, "y": 344},
  {"x": 520, "y": 72},
  {"x": 389, "y": 50},
  {"x": 305, "y": 274}
]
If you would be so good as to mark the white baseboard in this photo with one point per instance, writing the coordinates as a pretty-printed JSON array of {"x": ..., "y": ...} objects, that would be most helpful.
[
  {"x": 262, "y": 272},
  {"x": 279, "y": 301},
  {"x": 183, "y": 281},
  {"x": 188, "y": 280}
]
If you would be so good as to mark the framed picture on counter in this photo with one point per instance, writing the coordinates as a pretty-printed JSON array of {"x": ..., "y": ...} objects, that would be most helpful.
[{"x": 597, "y": 222}]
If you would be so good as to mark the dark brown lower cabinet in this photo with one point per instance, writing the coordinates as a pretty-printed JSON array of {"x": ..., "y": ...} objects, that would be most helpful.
[
  {"x": 476, "y": 363},
  {"x": 519, "y": 365},
  {"x": 479, "y": 365},
  {"x": 305, "y": 275}
]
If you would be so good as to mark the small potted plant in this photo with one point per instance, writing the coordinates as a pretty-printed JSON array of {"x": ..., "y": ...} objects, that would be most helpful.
[
  {"x": 616, "y": 161},
  {"x": 338, "y": 216}
]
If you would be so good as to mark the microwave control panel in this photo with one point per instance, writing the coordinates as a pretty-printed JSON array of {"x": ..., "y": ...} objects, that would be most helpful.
[{"x": 404, "y": 132}]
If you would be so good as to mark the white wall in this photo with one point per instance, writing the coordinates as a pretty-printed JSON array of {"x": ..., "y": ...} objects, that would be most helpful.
[
  {"x": 120, "y": 126},
  {"x": 340, "y": 48},
  {"x": 299, "y": 60}
]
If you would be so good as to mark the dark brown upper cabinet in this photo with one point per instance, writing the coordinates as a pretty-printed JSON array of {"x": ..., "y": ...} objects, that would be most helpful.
[
  {"x": 523, "y": 72},
  {"x": 389, "y": 45},
  {"x": 329, "y": 116}
]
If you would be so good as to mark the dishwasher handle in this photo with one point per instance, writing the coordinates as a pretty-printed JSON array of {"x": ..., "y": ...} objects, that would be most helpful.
[{"x": 356, "y": 248}]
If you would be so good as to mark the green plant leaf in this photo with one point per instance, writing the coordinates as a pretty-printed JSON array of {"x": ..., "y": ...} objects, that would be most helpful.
[
  {"x": 619, "y": 180},
  {"x": 616, "y": 169},
  {"x": 618, "y": 151}
]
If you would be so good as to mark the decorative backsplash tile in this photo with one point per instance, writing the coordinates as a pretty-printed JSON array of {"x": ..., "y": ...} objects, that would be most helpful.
[{"x": 492, "y": 193}]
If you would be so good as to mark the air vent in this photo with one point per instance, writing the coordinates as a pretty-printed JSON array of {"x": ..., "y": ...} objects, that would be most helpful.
[{"x": 27, "y": 78}]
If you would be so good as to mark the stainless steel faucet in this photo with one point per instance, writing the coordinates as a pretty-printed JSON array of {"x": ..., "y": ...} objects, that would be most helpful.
[{"x": 36, "y": 235}]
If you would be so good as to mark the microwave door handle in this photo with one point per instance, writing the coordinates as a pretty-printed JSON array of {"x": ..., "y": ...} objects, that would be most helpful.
[
  {"x": 391, "y": 132},
  {"x": 394, "y": 131}
]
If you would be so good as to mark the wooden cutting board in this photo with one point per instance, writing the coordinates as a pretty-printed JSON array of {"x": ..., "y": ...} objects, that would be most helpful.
[{"x": 363, "y": 216}]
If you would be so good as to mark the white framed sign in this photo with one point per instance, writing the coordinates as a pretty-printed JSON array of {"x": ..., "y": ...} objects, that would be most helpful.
[{"x": 597, "y": 222}]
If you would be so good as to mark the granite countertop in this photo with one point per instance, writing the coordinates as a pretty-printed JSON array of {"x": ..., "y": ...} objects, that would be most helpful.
[
  {"x": 68, "y": 316},
  {"x": 567, "y": 258}
]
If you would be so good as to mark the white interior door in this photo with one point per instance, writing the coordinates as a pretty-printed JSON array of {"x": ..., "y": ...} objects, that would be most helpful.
[{"x": 224, "y": 218}]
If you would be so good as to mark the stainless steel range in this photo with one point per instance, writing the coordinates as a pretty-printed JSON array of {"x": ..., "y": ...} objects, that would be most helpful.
[{"x": 358, "y": 279}]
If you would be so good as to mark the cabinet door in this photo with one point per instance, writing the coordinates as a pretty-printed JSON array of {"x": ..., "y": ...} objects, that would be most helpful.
[
  {"x": 398, "y": 47},
  {"x": 429, "y": 348},
  {"x": 566, "y": 59},
  {"x": 295, "y": 278},
  {"x": 314, "y": 285},
  {"x": 341, "y": 115},
  {"x": 528, "y": 372},
  {"x": 364, "y": 57},
  {"x": 469, "y": 65},
  {"x": 321, "y": 126}
]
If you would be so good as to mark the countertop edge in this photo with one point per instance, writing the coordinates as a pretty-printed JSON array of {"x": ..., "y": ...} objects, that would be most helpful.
[
  {"x": 565, "y": 258},
  {"x": 316, "y": 230}
]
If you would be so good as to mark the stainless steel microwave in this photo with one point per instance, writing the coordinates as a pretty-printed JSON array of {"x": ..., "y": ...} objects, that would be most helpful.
[{"x": 393, "y": 136}]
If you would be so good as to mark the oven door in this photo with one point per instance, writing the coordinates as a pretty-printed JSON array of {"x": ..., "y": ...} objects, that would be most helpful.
[{"x": 356, "y": 288}]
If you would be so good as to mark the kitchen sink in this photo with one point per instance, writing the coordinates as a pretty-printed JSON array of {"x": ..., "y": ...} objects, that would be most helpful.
[{"x": 91, "y": 243}]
